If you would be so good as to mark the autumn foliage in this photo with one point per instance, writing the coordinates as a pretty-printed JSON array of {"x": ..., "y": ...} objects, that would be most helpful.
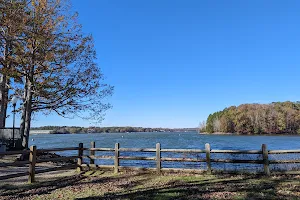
[
  {"x": 273, "y": 118},
  {"x": 49, "y": 63}
]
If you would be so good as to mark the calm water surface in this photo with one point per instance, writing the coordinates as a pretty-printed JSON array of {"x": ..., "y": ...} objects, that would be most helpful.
[{"x": 168, "y": 140}]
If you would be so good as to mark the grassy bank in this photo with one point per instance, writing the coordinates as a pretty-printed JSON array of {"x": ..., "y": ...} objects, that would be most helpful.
[{"x": 135, "y": 185}]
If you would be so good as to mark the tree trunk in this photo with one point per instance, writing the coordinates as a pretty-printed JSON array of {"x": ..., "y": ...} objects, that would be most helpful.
[
  {"x": 23, "y": 116},
  {"x": 27, "y": 115},
  {"x": 3, "y": 100},
  {"x": 3, "y": 91},
  {"x": 28, "y": 101}
]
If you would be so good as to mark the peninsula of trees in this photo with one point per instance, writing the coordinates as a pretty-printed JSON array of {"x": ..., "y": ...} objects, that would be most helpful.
[{"x": 273, "y": 118}]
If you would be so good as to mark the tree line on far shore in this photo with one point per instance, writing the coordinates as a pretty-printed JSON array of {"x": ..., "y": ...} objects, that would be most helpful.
[
  {"x": 76, "y": 129},
  {"x": 273, "y": 118}
]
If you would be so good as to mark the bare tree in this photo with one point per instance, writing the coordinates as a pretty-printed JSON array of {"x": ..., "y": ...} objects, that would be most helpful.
[{"x": 217, "y": 125}]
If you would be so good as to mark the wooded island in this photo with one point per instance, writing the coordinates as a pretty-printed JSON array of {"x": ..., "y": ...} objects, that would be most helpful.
[{"x": 273, "y": 118}]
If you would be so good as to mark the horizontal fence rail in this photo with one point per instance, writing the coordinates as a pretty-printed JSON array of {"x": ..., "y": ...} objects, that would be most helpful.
[
  {"x": 56, "y": 149},
  {"x": 237, "y": 151},
  {"x": 183, "y": 150},
  {"x": 158, "y": 156},
  {"x": 284, "y": 151},
  {"x": 13, "y": 152}
]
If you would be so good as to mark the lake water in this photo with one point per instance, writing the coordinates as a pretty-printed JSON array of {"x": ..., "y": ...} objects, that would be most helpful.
[{"x": 191, "y": 140}]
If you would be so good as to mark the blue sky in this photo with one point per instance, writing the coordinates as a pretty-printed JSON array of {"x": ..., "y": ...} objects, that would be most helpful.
[{"x": 174, "y": 62}]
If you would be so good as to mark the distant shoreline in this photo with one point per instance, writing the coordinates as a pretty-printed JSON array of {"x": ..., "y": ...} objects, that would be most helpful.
[
  {"x": 113, "y": 129},
  {"x": 50, "y": 132},
  {"x": 68, "y": 133}
]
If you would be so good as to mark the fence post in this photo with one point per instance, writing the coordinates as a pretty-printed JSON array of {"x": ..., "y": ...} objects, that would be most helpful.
[
  {"x": 32, "y": 161},
  {"x": 207, "y": 150},
  {"x": 158, "y": 158},
  {"x": 79, "y": 159},
  {"x": 92, "y": 153},
  {"x": 265, "y": 159},
  {"x": 117, "y": 154}
]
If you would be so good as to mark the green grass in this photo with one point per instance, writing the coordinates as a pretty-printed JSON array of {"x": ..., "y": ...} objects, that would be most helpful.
[{"x": 144, "y": 186}]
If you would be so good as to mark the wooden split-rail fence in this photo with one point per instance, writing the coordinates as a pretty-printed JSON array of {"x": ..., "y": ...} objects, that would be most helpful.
[{"x": 80, "y": 165}]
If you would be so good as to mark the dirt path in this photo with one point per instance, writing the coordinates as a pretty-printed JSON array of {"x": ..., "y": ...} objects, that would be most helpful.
[{"x": 24, "y": 168}]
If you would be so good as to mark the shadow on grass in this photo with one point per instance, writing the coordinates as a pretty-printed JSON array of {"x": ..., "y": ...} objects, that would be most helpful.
[
  {"x": 250, "y": 187},
  {"x": 139, "y": 186},
  {"x": 20, "y": 191},
  {"x": 11, "y": 191}
]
